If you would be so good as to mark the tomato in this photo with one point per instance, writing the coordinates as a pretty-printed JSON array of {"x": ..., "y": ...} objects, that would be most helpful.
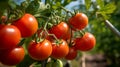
[
  {"x": 79, "y": 21},
  {"x": 9, "y": 37},
  {"x": 49, "y": 64},
  {"x": 40, "y": 51},
  {"x": 27, "y": 24},
  {"x": 72, "y": 54},
  {"x": 60, "y": 50},
  {"x": 85, "y": 43},
  {"x": 57, "y": 63},
  {"x": 67, "y": 35},
  {"x": 1, "y": 26},
  {"x": 12, "y": 56},
  {"x": 59, "y": 30}
]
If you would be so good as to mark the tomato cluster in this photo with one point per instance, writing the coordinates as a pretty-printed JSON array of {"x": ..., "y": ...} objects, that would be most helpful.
[
  {"x": 59, "y": 42},
  {"x": 55, "y": 42},
  {"x": 11, "y": 34}
]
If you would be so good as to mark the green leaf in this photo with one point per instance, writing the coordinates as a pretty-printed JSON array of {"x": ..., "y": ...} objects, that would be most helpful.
[
  {"x": 88, "y": 4},
  {"x": 66, "y": 2},
  {"x": 108, "y": 9},
  {"x": 105, "y": 16},
  {"x": 100, "y": 3}
]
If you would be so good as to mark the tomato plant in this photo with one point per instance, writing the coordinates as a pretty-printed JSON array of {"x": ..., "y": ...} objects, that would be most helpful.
[
  {"x": 60, "y": 30},
  {"x": 27, "y": 25},
  {"x": 9, "y": 37},
  {"x": 52, "y": 29},
  {"x": 12, "y": 56},
  {"x": 85, "y": 43},
  {"x": 79, "y": 21},
  {"x": 40, "y": 51},
  {"x": 60, "y": 50},
  {"x": 72, "y": 54}
]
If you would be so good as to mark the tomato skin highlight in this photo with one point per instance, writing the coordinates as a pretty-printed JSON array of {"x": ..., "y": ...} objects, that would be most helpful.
[
  {"x": 85, "y": 43},
  {"x": 60, "y": 50},
  {"x": 12, "y": 56},
  {"x": 40, "y": 51},
  {"x": 79, "y": 21},
  {"x": 72, "y": 54},
  {"x": 60, "y": 30},
  {"x": 9, "y": 37},
  {"x": 27, "y": 25}
]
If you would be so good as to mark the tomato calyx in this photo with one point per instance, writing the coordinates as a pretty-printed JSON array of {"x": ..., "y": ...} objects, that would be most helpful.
[{"x": 57, "y": 42}]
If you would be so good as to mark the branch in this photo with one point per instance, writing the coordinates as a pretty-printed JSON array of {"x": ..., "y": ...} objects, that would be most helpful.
[{"x": 112, "y": 28}]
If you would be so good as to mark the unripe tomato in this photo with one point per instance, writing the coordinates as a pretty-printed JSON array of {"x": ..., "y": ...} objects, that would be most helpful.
[
  {"x": 79, "y": 21},
  {"x": 40, "y": 51},
  {"x": 85, "y": 43},
  {"x": 49, "y": 64},
  {"x": 9, "y": 37},
  {"x": 60, "y": 30},
  {"x": 27, "y": 25},
  {"x": 12, "y": 56},
  {"x": 57, "y": 63},
  {"x": 60, "y": 50},
  {"x": 72, "y": 54}
]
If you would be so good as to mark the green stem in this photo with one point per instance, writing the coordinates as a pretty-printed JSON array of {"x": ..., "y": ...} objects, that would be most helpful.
[
  {"x": 67, "y": 10},
  {"x": 81, "y": 32},
  {"x": 70, "y": 44},
  {"x": 22, "y": 42},
  {"x": 43, "y": 63},
  {"x": 40, "y": 16}
]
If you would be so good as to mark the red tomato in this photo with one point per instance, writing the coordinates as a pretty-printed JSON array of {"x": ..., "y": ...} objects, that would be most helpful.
[
  {"x": 9, "y": 37},
  {"x": 1, "y": 26},
  {"x": 12, "y": 56},
  {"x": 67, "y": 35},
  {"x": 40, "y": 51},
  {"x": 27, "y": 24},
  {"x": 59, "y": 30},
  {"x": 72, "y": 54},
  {"x": 60, "y": 50},
  {"x": 85, "y": 43},
  {"x": 79, "y": 21}
]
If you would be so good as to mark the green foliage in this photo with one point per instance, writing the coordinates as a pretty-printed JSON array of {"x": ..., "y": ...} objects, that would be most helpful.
[
  {"x": 107, "y": 9},
  {"x": 88, "y": 4},
  {"x": 100, "y": 3}
]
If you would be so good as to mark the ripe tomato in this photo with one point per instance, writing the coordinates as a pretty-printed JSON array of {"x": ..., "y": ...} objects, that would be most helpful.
[
  {"x": 60, "y": 50},
  {"x": 27, "y": 24},
  {"x": 40, "y": 51},
  {"x": 12, "y": 56},
  {"x": 9, "y": 37},
  {"x": 79, "y": 21},
  {"x": 1, "y": 26},
  {"x": 72, "y": 54},
  {"x": 85, "y": 43},
  {"x": 59, "y": 30},
  {"x": 67, "y": 35}
]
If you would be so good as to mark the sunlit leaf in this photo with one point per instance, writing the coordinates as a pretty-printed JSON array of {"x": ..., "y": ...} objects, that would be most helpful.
[
  {"x": 100, "y": 3},
  {"x": 88, "y": 4},
  {"x": 108, "y": 9}
]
